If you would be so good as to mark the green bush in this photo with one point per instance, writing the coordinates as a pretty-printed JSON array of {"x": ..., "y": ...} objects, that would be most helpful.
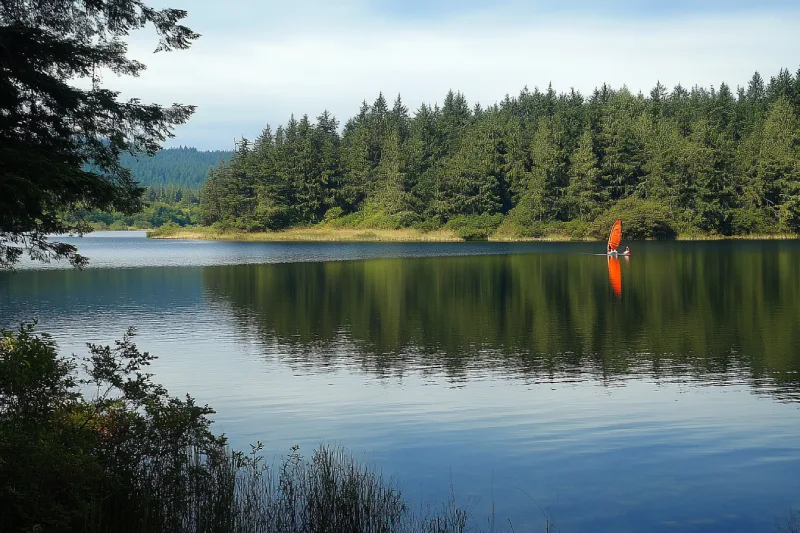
[
  {"x": 102, "y": 463},
  {"x": 744, "y": 221},
  {"x": 789, "y": 214},
  {"x": 474, "y": 227},
  {"x": 512, "y": 227},
  {"x": 141, "y": 224},
  {"x": 379, "y": 221},
  {"x": 407, "y": 219},
  {"x": 133, "y": 459},
  {"x": 220, "y": 226},
  {"x": 272, "y": 218},
  {"x": 352, "y": 220},
  {"x": 576, "y": 229},
  {"x": 98, "y": 226},
  {"x": 333, "y": 213},
  {"x": 118, "y": 225},
  {"x": 428, "y": 224},
  {"x": 641, "y": 219}
]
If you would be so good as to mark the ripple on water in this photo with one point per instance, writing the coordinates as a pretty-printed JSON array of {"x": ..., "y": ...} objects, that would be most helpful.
[{"x": 515, "y": 369}]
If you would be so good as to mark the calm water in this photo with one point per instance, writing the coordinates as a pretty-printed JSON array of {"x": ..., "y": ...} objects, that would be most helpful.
[{"x": 657, "y": 393}]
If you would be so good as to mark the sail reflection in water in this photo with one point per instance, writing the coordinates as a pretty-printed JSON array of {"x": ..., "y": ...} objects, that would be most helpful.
[{"x": 615, "y": 276}]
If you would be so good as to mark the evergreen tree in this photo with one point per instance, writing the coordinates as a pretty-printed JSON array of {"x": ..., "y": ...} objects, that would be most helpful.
[
  {"x": 777, "y": 179},
  {"x": 61, "y": 144},
  {"x": 703, "y": 159},
  {"x": 470, "y": 181},
  {"x": 355, "y": 157},
  {"x": 584, "y": 196},
  {"x": 543, "y": 197}
]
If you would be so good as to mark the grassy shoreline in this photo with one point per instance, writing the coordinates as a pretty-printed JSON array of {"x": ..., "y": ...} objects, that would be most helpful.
[
  {"x": 330, "y": 234},
  {"x": 308, "y": 234}
]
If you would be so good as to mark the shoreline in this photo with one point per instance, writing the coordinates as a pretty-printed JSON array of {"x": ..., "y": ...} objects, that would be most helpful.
[
  {"x": 309, "y": 235},
  {"x": 324, "y": 234}
]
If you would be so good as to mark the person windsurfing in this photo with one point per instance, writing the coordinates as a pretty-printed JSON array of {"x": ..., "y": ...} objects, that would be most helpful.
[
  {"x": 627, "y": 251},
  {"x": 615, "y": 238}
]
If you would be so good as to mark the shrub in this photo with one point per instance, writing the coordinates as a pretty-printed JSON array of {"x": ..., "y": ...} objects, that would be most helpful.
[
  {"x": 352, "y": 220},
  {"x": 407, "y": 219},
  {"x": 641, "y": 219},
  {"x": 132, "y": 458},
  {"x": 378, "y": 220},
  {"x": 744, "y": 221},
  {"x": 333, "y": 213},
  {"x": 275, "y": 217},
  {"x": 97, "y": 464},
  {"x": 789, "y": 214},
  {"x": 220, "y": 226},
  {"x": 141, "y": 224},
  {"x": 474, "y": 227},
  {"x": 428, "y": 224},
  {"x": 98, "y": 226},
  {"x": 576, "y": 229}
]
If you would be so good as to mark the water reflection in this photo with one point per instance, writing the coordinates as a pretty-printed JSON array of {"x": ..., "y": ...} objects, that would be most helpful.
[
  {"x": 615, "y": 276},
  {"x": 722, "y": 316},
  {"x": 500, "y": 370}
]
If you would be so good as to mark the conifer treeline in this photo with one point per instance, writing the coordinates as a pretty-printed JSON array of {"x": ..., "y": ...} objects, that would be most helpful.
[
  {"x": 681, "y": 160},
  {"x": 183, "y": 166}
]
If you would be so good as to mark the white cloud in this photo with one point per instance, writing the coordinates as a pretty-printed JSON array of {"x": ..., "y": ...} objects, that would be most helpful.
[{"x": 241, "y": 81}]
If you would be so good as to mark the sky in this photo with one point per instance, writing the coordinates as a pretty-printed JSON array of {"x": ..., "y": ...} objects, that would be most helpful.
[{"x": 258, "y": 62}]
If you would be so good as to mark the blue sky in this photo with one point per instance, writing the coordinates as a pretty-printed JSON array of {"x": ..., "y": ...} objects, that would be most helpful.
[{"x": 258, "y": 62}]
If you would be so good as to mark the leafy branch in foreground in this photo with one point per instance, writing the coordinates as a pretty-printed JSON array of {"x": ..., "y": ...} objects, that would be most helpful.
[
  {"x": 126, "y": 456},
  {"x": 60, "y": 144}
]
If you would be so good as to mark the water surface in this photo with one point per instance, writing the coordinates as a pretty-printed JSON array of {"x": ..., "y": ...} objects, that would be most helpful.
[{"x": 656, "y": 393}]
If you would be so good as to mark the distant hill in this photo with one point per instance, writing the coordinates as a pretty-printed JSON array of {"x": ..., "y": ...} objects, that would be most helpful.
[{"x": 183, "y": 166}]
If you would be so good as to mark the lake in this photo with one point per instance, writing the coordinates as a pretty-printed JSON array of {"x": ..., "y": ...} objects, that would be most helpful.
[{"x": 658, "y": 392}]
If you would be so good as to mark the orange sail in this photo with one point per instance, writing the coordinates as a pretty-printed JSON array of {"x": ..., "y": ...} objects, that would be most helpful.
[
  {"x": 616, "y": 235},
  {"x": 615, "y": 275}
]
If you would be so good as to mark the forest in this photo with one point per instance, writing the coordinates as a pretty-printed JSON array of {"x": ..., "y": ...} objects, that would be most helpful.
[
  {"x": 171, "y": 179},
  {"x": 183, "y": 166},
  {"x": 162, "y": 205},
  {"x": 699, "y": 161}
]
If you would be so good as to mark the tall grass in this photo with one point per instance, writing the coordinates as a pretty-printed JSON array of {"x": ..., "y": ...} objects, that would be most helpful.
[
  {"x": 131, "y": 458},
  {"x": 308, "y": 234},
  {"x": 330, "y": 492}
]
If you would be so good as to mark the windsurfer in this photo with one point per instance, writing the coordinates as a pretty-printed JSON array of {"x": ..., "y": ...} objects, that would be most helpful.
[
  {"x": 614, "y": 238},
  {"x": 627, "y": 251}
]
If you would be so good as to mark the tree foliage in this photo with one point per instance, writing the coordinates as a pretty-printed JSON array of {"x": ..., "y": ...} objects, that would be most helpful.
[
  {"x": 124, "y": 456},
  {"x": 120, "y": 459},
  {"x": 61, "y": 132},
  {"x": 182, "y": 166},
  {"x": 705, "y": 159}
]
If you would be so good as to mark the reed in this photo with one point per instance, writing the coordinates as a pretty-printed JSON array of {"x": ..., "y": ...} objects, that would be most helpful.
[
  {"x": 553, "y": 232},
  {"x": 129, "y": 458},
  {"x": 330, "y": 492},
  {"x": 308, "y": 234}
]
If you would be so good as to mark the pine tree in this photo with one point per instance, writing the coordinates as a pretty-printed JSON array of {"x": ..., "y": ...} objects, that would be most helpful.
[
  {"x": 424, "y": 149},
  {"x": 543, "y": 196},
  {"x": 584, "y": 196},
  {"x": 470, "y": 181},
  {"x": 778, "y": 172},
  {"x": 400, "y": 120},
  {"x": 355, "y": 158},
  {"x": 391, "y": 196},
  {"x": 61, "y": 144}
]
